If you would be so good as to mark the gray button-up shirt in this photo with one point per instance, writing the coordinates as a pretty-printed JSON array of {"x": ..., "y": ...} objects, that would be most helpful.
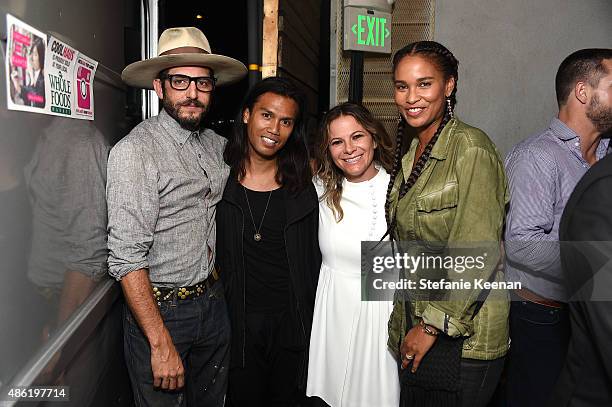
[
  {"x": 164, "y": 183},
  {"x": 66, "y": 179},
  {"x": 542, "y": 173}
]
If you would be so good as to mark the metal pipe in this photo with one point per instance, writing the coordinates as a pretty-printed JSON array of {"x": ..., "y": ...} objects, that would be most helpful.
[
  {"x": 260, "y": 17},
  {"x": 149, "y": 18},
  {"x": 144, "y": 46},
  {"x": 254, "y": 40},
  {"x": 356, "y": 77}
]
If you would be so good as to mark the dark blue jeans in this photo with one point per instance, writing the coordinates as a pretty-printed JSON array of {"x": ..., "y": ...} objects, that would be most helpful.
[
  {"x": 540, "y": 336},
  {"x": 200, "y": 330},
  {"x": 479, "y": 379}
]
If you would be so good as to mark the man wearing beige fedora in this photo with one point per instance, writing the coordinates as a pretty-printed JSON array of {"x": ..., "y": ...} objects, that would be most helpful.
[{"x": 165, "y": 179}]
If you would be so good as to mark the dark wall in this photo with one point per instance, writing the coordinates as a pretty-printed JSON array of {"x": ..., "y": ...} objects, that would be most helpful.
[
  {"x": 301, "y": 55},
  {"x": 225, "y": 25}
]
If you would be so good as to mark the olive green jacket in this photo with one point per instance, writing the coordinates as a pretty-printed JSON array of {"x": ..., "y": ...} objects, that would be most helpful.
[{"x": 458, "y": 200}]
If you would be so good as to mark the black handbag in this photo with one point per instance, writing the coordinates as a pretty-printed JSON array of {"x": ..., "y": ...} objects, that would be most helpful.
[{"x": 437, "y": 382}]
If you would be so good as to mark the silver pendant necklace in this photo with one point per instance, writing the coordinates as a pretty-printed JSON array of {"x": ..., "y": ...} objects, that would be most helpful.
[{"x": 257, "y": 235}]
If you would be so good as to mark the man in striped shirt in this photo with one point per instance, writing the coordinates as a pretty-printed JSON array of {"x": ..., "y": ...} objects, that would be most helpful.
[{"x": 542, "y": 172}]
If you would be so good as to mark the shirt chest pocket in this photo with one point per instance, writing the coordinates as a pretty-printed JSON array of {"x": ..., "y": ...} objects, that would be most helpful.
[
  {"x": 436, "y": 213},
  {"x": 183, "y": 194}
]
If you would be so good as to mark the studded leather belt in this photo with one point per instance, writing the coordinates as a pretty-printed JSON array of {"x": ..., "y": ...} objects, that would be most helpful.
[{"x": 185, "y": 293}]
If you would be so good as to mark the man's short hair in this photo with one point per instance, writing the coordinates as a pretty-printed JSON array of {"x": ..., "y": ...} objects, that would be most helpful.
[
  {"x": 162, "y": 74},
  {"x": 583, "y": 65}
]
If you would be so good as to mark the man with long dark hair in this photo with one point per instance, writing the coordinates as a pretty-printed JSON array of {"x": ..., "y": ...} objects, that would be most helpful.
[{"x": 267, "y": 247}]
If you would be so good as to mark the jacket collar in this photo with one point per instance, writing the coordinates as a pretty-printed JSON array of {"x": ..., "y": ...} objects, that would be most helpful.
[
  {"x": 302, "y": 204},
  {"x": 438, "y": 152},
  {"x": 232, "y": 189},
  {"x": 440, "y": 149},
  {"x": 297, "y": 206}
]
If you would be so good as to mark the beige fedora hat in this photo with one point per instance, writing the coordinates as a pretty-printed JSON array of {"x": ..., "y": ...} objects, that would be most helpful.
[{"x": 183, "y": 46}]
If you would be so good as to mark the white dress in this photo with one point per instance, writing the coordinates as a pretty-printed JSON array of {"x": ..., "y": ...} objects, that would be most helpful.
[{"x": 349, "y": 363}]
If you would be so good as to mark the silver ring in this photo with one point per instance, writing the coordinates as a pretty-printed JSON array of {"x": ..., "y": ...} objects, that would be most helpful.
[{"x": 409, "y": 357}]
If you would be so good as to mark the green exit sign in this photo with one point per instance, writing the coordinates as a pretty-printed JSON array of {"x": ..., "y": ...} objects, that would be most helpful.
[{"x": 367, "y": 30}]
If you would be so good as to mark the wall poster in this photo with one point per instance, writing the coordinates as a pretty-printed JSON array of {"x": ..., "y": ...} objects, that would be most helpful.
[{"x": 48, "y": 77}]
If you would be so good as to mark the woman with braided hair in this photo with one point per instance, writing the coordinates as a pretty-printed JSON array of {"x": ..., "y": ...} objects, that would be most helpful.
[{"x": 448, "y": 190}]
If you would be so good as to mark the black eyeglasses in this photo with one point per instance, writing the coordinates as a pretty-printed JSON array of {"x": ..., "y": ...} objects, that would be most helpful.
[{"x": 182, "y": 82}]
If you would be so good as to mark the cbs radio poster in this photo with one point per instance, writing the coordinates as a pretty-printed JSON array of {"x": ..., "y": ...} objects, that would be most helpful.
[
  {"x": 25, "y": 67},
  {"x": 51, "y": 78}
]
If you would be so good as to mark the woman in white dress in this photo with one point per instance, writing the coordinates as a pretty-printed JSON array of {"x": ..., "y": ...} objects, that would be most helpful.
[{"x": 349, "y": 363}]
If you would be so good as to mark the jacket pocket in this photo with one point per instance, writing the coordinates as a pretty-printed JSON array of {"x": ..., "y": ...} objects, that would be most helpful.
[{"x": 436, "y": 213}]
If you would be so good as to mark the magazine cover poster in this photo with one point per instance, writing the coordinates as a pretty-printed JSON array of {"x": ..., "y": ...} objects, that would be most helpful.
[{"x": 25, "y": 63}]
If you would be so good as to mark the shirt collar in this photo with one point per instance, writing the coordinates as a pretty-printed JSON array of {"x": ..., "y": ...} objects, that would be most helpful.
[
  {"x": 179, "y": 134},
  {"x": 561, "y": 130}
]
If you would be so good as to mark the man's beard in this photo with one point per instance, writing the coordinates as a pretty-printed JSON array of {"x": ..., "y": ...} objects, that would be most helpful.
[
  {"x": 600, "y": 115},
  {"x": 191, "y": 122}
]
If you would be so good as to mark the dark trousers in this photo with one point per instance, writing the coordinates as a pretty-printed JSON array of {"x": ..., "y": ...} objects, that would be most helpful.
[
  {"x": 200, "y": 330},
  {"x": 479, "y": 379},
  {"x": 540, "y": 336},
  {"x": 273, "y": 363}
]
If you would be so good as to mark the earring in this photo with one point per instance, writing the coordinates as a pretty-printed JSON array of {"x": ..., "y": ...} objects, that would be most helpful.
[{"x": 449, "y": 108}]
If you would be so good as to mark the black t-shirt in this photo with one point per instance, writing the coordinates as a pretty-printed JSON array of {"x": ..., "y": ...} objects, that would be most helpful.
[{"x": 267, "y": 270}]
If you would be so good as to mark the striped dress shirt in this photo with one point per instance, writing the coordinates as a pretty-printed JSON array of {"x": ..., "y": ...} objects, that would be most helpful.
[{"x": 542, "y": 173}]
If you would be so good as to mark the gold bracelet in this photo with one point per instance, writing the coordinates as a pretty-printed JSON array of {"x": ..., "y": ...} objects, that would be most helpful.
[{"x": 427, "y": 329}]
